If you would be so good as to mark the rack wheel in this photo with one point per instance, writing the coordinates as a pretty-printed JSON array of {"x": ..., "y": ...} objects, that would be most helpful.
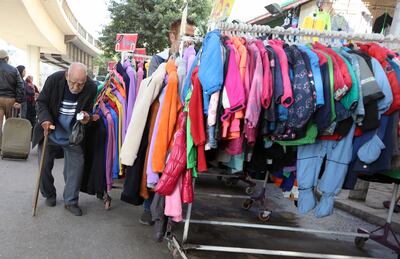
[
  {"x": 360, "y": 242},
  {"x": 264, "y": 216},
  {"x": 247, "y": 204},
  {"x": 249, "y": 190}
]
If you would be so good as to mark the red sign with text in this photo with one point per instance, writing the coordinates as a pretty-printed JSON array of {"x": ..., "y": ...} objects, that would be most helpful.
[
  {"x": 140, "y": 51},
  {"x": 126, "y": 42}
]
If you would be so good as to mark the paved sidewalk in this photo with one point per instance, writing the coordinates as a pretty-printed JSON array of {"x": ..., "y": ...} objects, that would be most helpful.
[{"x": 372, "y": 209}]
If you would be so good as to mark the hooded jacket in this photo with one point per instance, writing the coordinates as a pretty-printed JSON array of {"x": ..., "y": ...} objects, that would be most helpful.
[{"x": 211, "y": 66}]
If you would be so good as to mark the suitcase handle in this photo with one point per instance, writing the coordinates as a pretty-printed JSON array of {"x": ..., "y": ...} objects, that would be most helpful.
[{"x": 14, "y": 112}]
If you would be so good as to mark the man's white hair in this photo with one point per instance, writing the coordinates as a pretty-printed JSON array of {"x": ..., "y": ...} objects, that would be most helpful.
[{"x": 78, "y": 65}]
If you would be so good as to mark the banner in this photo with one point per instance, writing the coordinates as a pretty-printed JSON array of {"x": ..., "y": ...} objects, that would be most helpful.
[
  {"x": 126, "y": 42},
  {"x": 221, "y": 10}
]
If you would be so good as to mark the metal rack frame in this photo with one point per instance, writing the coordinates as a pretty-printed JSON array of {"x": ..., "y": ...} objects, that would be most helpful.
[{"x": 179, "y": 249}]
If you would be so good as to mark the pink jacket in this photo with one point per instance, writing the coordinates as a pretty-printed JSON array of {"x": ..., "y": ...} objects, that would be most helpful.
[
  {"x": 268, "y": 90},
  {"x": 254, "y": 102},
  {"x": 287, "y": 98},
  {"x": 233, "y": 82}
]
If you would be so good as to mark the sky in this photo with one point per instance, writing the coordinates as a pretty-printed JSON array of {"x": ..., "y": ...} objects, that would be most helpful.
[{"x": 243, "y": 10}]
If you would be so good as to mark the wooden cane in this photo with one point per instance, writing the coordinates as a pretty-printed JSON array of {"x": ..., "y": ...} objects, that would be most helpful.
[{"x": 42, "y": 159}]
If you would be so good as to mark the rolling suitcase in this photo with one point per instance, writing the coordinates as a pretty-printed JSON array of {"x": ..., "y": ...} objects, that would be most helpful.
[{"x": 16, "y": 139}]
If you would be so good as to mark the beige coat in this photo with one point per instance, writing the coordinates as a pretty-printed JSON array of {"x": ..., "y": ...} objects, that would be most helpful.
[{"x": 148, "y": 92}]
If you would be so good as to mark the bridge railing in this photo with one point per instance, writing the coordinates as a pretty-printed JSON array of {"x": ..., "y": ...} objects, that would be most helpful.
[{"x": 87, "y": 36}]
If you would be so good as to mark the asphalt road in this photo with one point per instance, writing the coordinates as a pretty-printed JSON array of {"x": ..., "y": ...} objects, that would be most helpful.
[{"x": 55, "y": 233}]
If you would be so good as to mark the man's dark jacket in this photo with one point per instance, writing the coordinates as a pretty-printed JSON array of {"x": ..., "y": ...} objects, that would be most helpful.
[
  {"x": 11, "y": 83},
  {"x": 50, "y": 98}
]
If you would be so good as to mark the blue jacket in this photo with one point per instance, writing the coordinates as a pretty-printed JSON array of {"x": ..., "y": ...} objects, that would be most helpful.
[
  {"x": 188, "y": 81},
  {"x": 314, "y": 61},
  {"x": 384, "y": 85},
  {"x": 211, "y": 70},
  {"x": 383, "y": 163}
]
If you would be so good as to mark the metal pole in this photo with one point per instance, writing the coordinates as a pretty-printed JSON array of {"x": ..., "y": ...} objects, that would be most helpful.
[
  {"x": 281, "y": 228},
  {"x": 187, "y": 220},
  {"x": 392, "y": 203}
]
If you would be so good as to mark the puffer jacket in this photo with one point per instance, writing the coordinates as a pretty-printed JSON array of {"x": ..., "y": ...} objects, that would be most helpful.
[
  {"x": 187, "y": 187},
  {"x": 381, "y": 54},
  {"x": 176, "y": 164}
]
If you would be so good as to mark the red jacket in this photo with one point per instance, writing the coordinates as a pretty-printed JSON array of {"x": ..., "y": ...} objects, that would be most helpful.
[
  {"x": 197, "y": 121},
  {"x": 381, "y": 54},
  {"x": 342, "y": 75},
  {"x": 176, "y": 164}
]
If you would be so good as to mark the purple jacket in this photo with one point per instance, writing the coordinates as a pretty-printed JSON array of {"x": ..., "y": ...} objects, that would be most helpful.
[
  {"x": 132, "y": 92},
  {"x": 152, "y": 178},
  {"x": 110, "y": 144},
  {"x": 140, "y": 75}
]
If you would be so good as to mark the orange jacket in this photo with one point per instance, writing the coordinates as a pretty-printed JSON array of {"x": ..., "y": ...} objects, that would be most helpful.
[{"x": 168, "y": 118}]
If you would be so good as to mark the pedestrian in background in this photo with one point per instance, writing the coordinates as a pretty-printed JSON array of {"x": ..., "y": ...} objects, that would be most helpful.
[
  {"x": 22, "y": 72},
  {"x": 11, "y": 89},
  {"x": 31, "y": 94}
]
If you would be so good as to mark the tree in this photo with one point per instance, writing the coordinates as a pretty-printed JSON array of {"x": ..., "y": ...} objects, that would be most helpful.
[{"x": 150, "y": 19}]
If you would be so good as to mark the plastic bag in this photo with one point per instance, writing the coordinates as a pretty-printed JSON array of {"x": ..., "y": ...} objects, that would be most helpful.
[{"x": 78, "y": 133}]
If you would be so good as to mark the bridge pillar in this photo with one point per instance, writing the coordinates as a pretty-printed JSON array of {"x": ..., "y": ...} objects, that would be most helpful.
[{"x": 33, "y": 66}]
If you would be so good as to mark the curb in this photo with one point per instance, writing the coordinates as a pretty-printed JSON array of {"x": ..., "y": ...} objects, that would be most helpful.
[{"x": 365, "y": 215}]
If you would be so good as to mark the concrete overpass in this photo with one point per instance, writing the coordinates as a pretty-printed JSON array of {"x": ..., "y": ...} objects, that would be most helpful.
[{"x": 48, "y": 31}]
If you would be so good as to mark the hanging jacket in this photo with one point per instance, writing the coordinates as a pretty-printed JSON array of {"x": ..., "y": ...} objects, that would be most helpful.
[
  {"x": 176, "y": 164},
  {"x": 339, "y": 83},
  {"x": 169, "y": 116},
  {"x": 253, "y": 109},
  {"x": 148, "y": 91},
  {"x": 303, "y": 92},
  {"x": 316, "y": 73},
  {"x": 211, "y": 66},
  {"x": 187, "y": 187},
  {"x": 381, "y": 54},
  {"x": 197, "y": 122},
  {"x": 287, "y": 98},
  {"x": 233, "y": 83},
  {"x": 267, "y": 89},
  {"x": 384, "y": 85}
]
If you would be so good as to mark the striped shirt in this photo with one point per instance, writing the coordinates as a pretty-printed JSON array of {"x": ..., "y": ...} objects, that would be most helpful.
[{"x": 66, "y": 118}]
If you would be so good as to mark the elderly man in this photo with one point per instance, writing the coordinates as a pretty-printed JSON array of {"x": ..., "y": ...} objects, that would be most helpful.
[
  {"x": 11, "y": 88},
  {"x": 64, "y": 95}
]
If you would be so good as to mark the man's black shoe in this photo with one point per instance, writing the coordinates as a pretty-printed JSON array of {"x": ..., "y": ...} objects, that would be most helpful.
[
  {"x": 51, "y": 201},
  {"x": 74, "y": 209}
]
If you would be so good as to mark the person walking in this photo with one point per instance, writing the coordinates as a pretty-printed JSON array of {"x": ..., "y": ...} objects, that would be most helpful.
[
  {"x": 65, "y": 95},
  {"x": 11, "y": 89}
]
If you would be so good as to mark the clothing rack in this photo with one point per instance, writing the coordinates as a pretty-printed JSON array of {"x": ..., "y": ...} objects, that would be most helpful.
[
  {"x": 179, "y": 248},
  {"x": 267, "y": 30}
]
